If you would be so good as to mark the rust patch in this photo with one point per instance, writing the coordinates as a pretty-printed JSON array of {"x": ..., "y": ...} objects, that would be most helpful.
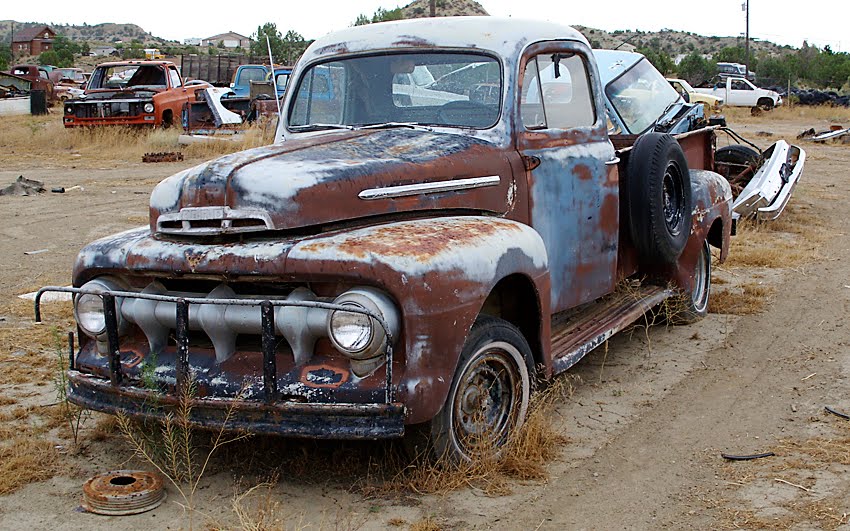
[
  {"x": 323, "y": 377},
  {"x": 582, "y": 171},
  {"x": 414, "y": 242},
  {"x": 609, "y": 214}
]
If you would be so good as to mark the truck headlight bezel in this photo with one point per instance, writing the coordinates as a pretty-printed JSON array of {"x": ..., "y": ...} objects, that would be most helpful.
[
  {"x": 148, "y": 108},
  {"x": 356, "y": 334},
  {"x": 88, "y": 307}
]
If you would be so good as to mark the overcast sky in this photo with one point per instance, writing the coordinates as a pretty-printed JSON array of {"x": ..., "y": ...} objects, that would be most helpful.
[{"x": 820, "y": 22}]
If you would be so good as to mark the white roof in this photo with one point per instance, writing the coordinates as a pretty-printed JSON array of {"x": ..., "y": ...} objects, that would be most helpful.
[{"x": 503, "y": 36}]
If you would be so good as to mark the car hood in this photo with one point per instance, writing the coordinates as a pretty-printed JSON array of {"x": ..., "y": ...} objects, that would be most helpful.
[{"x": 331, "y": 178}]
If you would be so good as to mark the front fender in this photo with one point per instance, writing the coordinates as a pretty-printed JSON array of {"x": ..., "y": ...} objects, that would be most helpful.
[{"x": 439, "y": 271}]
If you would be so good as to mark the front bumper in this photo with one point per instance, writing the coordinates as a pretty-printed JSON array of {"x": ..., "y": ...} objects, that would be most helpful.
[
  {"x": 270, "y": 408},
  {"x": 293, "y": 419}
]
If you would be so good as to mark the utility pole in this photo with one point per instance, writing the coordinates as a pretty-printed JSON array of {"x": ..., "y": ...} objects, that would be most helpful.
[
  {"x": 433, "y": 8},
  {"x": 746, "y": 7}
]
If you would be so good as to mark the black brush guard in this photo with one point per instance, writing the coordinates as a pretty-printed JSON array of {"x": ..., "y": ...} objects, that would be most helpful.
[{"x": 269, "y": 415}]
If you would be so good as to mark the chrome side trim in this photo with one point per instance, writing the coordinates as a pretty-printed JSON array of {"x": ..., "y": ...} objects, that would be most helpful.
[{"x": 429, "y": 188}]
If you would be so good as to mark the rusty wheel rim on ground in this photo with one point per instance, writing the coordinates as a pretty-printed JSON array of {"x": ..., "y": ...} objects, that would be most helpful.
[{"x": 123, "y": 492}]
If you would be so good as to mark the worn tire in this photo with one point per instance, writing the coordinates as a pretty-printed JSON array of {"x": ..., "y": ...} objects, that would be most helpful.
[
  {"x": 495, "y": 359},
  {"x": 738, "y": 157},
  {"x": 765, "y": 104},
  {"x": 693, "y": 306},
  {"x": 659, "y": 198}
]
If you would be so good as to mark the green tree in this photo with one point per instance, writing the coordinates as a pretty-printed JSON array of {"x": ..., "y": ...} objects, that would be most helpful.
[
  {"x": 5, "y": 56},
  {"x": 381, "y": 15},
  {"x": 659, "y": 59},
  {"x": 293, "y": 46},
  {"x": 49, "y": 57},
  {"x": 258, "y": 41},
  {"x": 696, "y": 70}
]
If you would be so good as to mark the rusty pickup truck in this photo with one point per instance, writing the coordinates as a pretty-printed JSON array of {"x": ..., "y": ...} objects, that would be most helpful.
[
  {"x": 435, "y": 226},
  {"x": 142, "y": 93}
]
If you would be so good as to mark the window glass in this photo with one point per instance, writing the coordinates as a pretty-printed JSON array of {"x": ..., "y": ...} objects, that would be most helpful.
[
  {"x": 556, "y": 93},
  {"x": 252, "y": 74},
  {"x": 444, "y": 89},
  {"x": 740, "y": 85},
  {"x": 640, "y": 96},
  {"x": 175, "y": 77}
]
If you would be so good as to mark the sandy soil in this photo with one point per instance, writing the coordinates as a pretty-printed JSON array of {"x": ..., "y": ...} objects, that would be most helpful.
[{"x": 646, "y": 424}]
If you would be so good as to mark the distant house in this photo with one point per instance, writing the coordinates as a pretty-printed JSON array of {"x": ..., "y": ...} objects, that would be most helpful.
[
  {"x": 229, "y": 39},
  {"x": 32, "y": 41},
  {"x": 192, "y": 41}
]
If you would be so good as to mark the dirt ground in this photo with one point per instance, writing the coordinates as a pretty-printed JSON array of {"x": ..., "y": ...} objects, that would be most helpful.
[{"x": 645, "y": 425}]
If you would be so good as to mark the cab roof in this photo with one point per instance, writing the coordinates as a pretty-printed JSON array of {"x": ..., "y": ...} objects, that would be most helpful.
[
  {"x": 505, "y": 37},
  {"x": 137, "y": 63}
]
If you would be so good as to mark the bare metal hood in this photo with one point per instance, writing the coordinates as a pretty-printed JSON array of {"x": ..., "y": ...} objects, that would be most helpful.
[{"x": 333, "y": 177}]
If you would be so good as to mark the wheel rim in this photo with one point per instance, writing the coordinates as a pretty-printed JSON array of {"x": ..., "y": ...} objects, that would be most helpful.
[
  {"x": 702, "y": 280},
  {"x": 487, "y": 399},
  {"x": 674, "y": 198}
]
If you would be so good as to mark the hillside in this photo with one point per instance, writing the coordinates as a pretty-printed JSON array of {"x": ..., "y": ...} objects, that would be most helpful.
[
  {"x": 673, "y": 42},
  {"x": 98, "y": 33},
  {"x": 444, "y": 8}
]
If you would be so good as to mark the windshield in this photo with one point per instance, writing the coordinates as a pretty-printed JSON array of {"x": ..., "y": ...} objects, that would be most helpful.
[
  {"x": 640, "y": 96},
  {"x": 123, "y": 76},
  {"x": 443, "y": 89}
]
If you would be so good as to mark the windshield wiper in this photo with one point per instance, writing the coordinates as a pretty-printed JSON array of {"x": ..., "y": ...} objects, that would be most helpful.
[
  {"x": 388, "y": 125},
  {"x": 664, "y": 113},
  {"x": 315, "y": 127}
]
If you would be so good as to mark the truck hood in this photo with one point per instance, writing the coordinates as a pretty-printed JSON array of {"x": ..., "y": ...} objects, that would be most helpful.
[{"x": 332, "y": 178}]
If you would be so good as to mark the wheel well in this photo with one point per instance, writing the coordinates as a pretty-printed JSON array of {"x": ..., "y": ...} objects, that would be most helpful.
[
  {"x": 715, "y": 234},
  {"x": 515, "y": 300},
  {"x": 765, "y": 101},
  {"x": 167, "y": 117}
]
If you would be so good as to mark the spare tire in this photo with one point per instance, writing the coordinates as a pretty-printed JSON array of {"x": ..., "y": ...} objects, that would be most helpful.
[{"x": 659, "y": 198}]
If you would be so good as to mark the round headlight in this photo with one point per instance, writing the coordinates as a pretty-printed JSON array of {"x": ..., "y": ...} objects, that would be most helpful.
[
  {"x": 350, "y": 331},
  {"x": 69, "y": 110},
  {"x": 148, "y": 107},
  {"x": 89, "y": 314}
]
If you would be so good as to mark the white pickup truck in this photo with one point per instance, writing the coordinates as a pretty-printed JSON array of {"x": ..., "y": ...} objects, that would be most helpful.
[{"x": 739, "y": 92}]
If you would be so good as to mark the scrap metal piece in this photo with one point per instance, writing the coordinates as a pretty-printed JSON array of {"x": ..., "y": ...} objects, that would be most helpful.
[
  {"x": 164, "y": 156},
  {"x": 222, "y": 115},
  {"x": 837, "y": 413},
  {"x": 123, "y": 492},
  {"x": 746, "y": 457},
  {"x": 830, "y": 135}
]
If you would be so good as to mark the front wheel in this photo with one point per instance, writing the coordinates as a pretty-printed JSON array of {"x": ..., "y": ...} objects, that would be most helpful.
[
  {"x": 489, "y": 395},
  {"x": 694, "y": 305}
]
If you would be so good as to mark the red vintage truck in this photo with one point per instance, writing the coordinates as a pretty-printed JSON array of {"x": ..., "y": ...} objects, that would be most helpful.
[
  {"x": 143, "y": 93},
  {"x": 438, "y": 224}
]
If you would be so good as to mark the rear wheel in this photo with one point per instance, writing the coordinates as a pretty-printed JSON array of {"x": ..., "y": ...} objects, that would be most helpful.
[
  {"x": 489, "y": 395},
  {"x": 694, "y": 305}
]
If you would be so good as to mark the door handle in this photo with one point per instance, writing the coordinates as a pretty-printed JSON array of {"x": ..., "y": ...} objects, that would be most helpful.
[{"x": 613, "y": 162}]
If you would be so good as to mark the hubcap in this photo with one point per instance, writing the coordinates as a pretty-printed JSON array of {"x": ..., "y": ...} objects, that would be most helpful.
[
  {"x": 699, "y": 295},
  {"x": 487, "y": 399}
]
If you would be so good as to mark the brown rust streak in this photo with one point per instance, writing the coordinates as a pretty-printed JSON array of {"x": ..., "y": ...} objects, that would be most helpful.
[{"x": 403, "y": 240}]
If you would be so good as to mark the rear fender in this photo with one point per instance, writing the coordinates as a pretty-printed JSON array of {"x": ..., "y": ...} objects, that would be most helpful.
[{"x": 712, "y": 204}]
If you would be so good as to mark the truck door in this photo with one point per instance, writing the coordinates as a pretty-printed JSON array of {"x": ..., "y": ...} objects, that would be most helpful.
[{"x": 572, "y": 172}]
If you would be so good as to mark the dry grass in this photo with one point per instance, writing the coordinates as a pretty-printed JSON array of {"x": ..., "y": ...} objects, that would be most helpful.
[
  {"x": 523, "y": 457},
  {"x": 45, "y": 137},
  {"x": 26, "y": 459},
  {"x": 747, "y": 299},
  {"x": 792, "y": 113},
  {"x": 426, "y": 524},
  {"x": 793, "y": 239}
]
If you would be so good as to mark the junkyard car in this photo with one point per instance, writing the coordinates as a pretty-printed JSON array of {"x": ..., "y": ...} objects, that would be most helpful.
[
  {"x": 147, "y": 93},
  {"x": 394, "y": 263},
  {"x": 692, "y": 96},
  {"x": 740, "y": 92},
  {"x": 638, "y": 101}
]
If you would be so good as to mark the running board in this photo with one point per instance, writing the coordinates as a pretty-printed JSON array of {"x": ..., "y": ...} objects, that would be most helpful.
[{"x": 578, "y": 333}]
